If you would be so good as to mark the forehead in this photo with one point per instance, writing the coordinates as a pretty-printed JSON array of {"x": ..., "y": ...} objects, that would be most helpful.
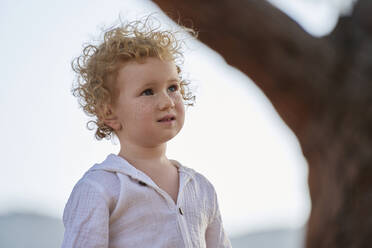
[{"x": 150, "y": 70}]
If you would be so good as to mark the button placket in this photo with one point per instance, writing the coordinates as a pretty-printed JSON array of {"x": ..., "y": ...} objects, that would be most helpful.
[{"x": 180, "y": 211}]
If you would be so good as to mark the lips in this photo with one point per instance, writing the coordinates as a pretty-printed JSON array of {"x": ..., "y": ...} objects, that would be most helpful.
[{"x": 167, "y": 118}]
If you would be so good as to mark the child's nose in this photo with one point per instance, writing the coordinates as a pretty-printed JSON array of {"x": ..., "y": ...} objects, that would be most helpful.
[{"x": 165, "y": 101}]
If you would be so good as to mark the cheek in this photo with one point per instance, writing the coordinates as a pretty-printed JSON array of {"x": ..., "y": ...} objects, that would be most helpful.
[
  {"x": 177, "y": 98},
  {"x": 180, "y": 107},
  {"x": 142, "y": 111}
]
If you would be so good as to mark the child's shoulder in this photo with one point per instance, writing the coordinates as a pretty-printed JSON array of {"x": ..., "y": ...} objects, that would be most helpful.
[
  {"x": 99, "y": 178},
  {"x": 98, "y": 175},
  {"x": 96, "y": 189},
  {"x": 96, "y": 178}
]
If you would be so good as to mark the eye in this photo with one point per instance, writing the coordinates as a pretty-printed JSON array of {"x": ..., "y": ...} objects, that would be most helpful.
[
  {"x": 147, "y": 92},
  {"x": 173, "y": 88}
]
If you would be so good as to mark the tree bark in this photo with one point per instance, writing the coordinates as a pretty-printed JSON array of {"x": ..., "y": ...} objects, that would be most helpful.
[{"x": 321, "y": 87}]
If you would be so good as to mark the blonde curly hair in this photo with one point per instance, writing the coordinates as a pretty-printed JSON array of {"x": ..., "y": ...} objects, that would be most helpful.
[{"x": 98, "y": 65}]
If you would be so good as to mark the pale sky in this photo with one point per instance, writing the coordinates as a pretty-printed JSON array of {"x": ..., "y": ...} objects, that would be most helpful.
[{"x": 232, "y": 135}]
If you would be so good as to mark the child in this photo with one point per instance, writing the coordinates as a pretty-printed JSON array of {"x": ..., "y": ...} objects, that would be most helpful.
[{"x": 138, "y": 198}]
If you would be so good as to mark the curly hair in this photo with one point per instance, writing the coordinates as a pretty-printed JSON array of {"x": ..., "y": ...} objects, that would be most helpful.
[{"x": 98, "y": 65}]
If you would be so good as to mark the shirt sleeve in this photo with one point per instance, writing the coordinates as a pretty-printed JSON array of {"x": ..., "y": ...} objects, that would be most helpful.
[
  {"x": 215, "y": 234},
  {"x": 86, "y": 217}
]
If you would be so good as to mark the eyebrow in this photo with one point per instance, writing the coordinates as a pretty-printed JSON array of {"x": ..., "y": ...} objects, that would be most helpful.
[{"x": 168, "y": 81}]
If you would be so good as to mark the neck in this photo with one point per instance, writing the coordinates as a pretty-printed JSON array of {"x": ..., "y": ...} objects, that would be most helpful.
[{"x": 141, "y": 157}]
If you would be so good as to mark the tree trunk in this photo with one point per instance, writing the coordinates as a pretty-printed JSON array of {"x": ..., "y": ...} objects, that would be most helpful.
[{"x": 321, "y": 87}]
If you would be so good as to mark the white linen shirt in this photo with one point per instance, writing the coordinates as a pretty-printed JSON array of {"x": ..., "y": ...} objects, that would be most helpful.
[{"x": 116, "y": 205}]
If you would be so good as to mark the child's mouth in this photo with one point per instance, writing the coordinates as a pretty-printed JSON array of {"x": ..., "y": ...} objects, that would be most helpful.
[{"x": 167, "y": 119}]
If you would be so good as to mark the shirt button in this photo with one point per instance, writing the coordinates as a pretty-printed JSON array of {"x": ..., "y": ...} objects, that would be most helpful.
[{"x": 180, "y": 210}]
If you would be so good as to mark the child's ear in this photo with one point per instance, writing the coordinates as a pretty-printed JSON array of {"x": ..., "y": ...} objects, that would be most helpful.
[
  {"x": 110, "y": 119},
  {"x": 113, "y": 123}
]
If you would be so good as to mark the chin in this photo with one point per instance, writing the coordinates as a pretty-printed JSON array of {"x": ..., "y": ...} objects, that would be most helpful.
[{"x": 167, "y": 138}]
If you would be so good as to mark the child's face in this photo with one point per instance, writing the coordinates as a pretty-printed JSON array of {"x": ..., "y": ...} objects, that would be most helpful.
[{"x": 149, "y": 108}]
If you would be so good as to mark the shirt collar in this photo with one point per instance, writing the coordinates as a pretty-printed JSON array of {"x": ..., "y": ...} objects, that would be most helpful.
[{"x": 117, "y": 164}]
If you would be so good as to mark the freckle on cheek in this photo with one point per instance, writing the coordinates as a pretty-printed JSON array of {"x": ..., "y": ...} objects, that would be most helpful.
[
  {"x": 176, "y": 98},
  {"x": 141, "y": 111}
]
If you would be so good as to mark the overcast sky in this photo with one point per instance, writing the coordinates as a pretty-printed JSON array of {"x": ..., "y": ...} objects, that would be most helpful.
[{"x": 232, "y": 135}]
